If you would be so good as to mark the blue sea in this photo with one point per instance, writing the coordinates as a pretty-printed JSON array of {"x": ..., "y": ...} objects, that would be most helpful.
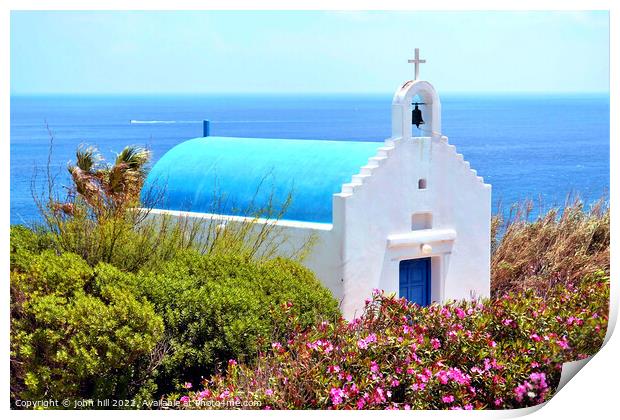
[{"x": 527, "y": 146}]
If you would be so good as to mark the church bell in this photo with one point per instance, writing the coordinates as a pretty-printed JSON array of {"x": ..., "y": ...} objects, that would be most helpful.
[{"x": 416, "y": 116}]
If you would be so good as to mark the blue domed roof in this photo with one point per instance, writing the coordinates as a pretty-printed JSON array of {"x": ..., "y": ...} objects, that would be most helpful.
[{"x": 230, "y": 175}]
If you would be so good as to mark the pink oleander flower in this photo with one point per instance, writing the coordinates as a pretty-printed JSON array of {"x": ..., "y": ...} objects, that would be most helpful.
[
  {"x": 442, "y": 376},
  {"x": 447, "y": 399},
  {"x": 521, "y": 390},
  {"x": 535, "y": 337},
  {"x": 468, "y": 407},
  {"x": 379, "y": 395},
  {"x": 187, "y": 385},
  {"x": 204, "y": 394},
  {"x": 269, "y": 392},
  {"x": 374, "y": 367},
  {"x": 276, "y": 346},
  {"x": 336, "y": 395},
  {"x": 232, "y": 362},
  {"x": 435, "y": 343},
  {"x": 459, "y": 313},
  {"x": 333, "y": 369},
  {"x": 563, "y": 343}
]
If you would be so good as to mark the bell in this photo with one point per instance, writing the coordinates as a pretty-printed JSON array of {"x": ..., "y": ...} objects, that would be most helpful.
[{"x": 416, "y": 116}]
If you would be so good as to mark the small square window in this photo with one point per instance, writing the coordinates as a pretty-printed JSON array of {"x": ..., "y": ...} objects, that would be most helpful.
[{"x": 421, "y": 221}]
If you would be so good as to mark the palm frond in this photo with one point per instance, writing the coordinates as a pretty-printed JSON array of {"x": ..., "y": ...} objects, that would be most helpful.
[
  {"x": 87, "y": 158},
  {"x": 134, "y": 157}
]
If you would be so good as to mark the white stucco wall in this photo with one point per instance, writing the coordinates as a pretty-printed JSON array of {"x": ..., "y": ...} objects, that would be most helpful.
[{"x": 382, "y": 208}]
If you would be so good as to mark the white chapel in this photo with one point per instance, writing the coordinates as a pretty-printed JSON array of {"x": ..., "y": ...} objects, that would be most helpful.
[{"x": 407, "y": 216}]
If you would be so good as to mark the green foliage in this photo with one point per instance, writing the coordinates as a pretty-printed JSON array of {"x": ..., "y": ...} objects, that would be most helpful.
[
  {"x": 70, "y": 339},
  {"x": 82, "y": 331},
  {"x": 491, "y": 354},
  {"x": 221, "y": 307}
]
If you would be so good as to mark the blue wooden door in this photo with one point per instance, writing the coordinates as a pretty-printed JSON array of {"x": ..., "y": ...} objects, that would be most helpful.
[{"x": 415, "y": 280}]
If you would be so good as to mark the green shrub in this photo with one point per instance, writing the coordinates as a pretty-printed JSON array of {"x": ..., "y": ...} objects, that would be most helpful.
[
  {"x": 492, "y": 354},
  {"x": 79, "y": 331},
  {"x": 221, "y": 307},
  {"x": 70, "y": 339}
]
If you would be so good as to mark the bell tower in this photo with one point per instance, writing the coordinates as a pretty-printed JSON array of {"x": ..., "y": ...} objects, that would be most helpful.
[{"x": 416, "y": 109}]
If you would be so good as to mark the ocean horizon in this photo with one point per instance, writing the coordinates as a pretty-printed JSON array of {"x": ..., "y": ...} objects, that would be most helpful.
[{"x": 527, "y": 145}]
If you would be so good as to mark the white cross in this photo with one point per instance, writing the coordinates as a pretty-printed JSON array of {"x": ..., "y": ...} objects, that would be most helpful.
[{"x": 417, "y": 63}]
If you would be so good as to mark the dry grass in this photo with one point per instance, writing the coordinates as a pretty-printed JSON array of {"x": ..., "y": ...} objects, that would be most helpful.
[{"x": 559, "y": 246}]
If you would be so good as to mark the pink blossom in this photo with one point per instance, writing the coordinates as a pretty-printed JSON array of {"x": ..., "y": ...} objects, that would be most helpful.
[
  {"x": 535, "y": 337},
  {"x": 232, "y": 362},
  {"x": 435, "y": 343},
  {"x": 442, "y": 376},
  {"x": 374, "y": 367},
  {"x": 184, "y": 399},
  {"x": 521, "y": 390},
  {"x": 336, "y": 395},
  {"x": 448, "y": 399},
  {"x": 187, "y": 385},
  {"x": 563, "y": 343},
  {"x": 333, "y": 369}
]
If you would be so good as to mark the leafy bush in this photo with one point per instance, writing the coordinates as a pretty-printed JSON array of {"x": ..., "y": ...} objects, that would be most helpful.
[
  {"x": 503, "y": 353},
  {"x": 218, "y": 307},
  {"x": 69, "y": 341},
  {"x": 98, "y": 332},
  {"x": 557, "y": 247}
]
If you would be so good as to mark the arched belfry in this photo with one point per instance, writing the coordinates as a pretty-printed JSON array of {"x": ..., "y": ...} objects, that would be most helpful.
[{"x": 405, "y": 99}]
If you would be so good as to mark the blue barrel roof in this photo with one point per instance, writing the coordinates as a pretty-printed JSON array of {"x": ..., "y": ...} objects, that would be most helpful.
[{"x": 239, "y": 176}]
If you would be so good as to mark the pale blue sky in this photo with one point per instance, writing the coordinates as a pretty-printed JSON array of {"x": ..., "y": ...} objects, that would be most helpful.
[{"x": 314, "y": 52}]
